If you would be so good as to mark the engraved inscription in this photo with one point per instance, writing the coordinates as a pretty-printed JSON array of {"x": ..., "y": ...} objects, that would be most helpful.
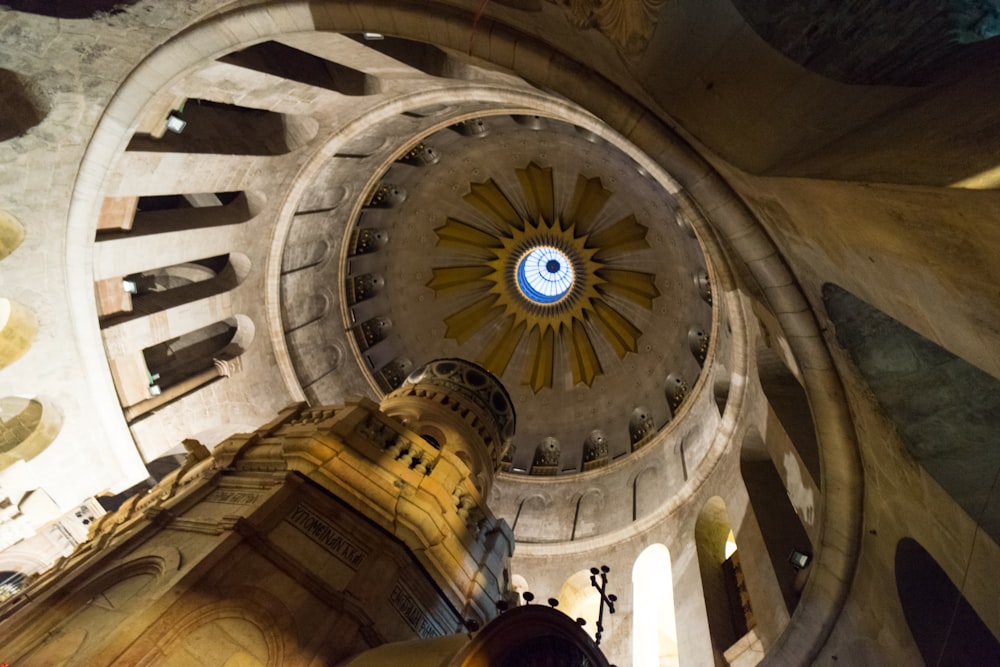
[
  {"x": 231, "y": 497},
  {"x": 320, "y": 531},
  {"x": 411, "y": 611}
]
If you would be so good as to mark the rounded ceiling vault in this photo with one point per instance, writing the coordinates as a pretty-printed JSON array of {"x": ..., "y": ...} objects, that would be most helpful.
[{"x": 546, "y": 254}]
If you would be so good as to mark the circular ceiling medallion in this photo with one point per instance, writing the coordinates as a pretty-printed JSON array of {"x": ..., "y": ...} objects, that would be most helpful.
[{"x": 544, "y": 275}]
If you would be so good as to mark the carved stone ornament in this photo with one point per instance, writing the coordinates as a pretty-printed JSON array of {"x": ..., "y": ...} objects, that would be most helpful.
[{"x": 629, "y": 24}]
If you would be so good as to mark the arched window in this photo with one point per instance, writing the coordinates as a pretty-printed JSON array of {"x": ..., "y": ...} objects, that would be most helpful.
[
  {"x": 27, "y": 427},
  {"x": 155, "y": 290},
  {"x": 775, "y": 504},
  {"x": 790, "y": 406},
  {"x": 11, "y": 234},
  {"x": 730, "y": 614},
  {"x": 131, "y": 217},
  {"x": 181, "y": 365},
  {"x": 578, "y": 599},
  {"x": 18, "y": 327},
  {"x": 228, "y": 129},
  {"x": 654, "y": 627}
]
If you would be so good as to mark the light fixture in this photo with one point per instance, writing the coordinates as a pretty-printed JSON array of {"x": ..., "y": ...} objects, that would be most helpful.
[
  {"x": 175, "y": 123},
  {"x": 371, "y": 36},
  {"x": 799, "y": 559}
]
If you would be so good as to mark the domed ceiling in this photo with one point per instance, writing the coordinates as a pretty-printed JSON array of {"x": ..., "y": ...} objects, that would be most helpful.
[{"x": 547, "y": 255}]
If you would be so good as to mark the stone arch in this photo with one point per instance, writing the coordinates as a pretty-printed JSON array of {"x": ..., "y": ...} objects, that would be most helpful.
[
  {"x": 221, "y": 128},
  {"x": 654, "y": 626},
  {"x": 531, "y": 523},
  {"x": 772, "y": 502},
  {"x": 645, "y": 498},
  {"x": 299, "y": 256},
  {"x": 11, "y": 233},
  {"x": 287, "y": 62},
  {"x": 519, "y": 585},
  {"x": 588, "y": 512},
  {"x": 18, "y": 327},
  {"x": 136, "y": 216},
  {"x": 945, "y": 627},
  {"x": 27, "y": 427},
  {"x": 22, "y": 105},
  {"x": 186, "y": 363},
  {"x": 727, "y": 621},
  {"x": 301, "y": 312},
  {"x": 155, "y": 290},
  {"x": 106, "y": 600},
  {"x": 790, "y": 405},
  {"x": 579, "y": 599},
  {"x": 243, "y": 609}
]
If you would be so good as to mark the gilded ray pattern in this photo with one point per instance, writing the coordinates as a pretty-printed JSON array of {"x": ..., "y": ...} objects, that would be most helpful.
[{"x": 485, "y": 280}]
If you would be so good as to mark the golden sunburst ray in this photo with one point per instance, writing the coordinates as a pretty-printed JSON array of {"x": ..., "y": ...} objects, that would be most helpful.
[
  {"x": 463, "y": 324},
  {"x": 583, "y": 358},
  {"x": 498, "y": 352},
  {"x": 636, "y": 286},
  {"x": 589, "y": 197},
  {"x": 539, "y": 192},
  {"x": 626, "y": 235},
  {"x": 541, "y": 358},
  {"x": 457, "y": 234},
  {"x": 489, "y": 199},
  {"x": 622, "y": 334},
  {"x": 447, "y": 278}
]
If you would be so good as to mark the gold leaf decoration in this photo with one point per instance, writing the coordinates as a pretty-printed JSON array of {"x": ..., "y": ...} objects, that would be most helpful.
[{"x": 566, "y": 325}]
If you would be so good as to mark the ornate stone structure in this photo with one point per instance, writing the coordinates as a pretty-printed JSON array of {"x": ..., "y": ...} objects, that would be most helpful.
[{"x": 326, "y": 532}]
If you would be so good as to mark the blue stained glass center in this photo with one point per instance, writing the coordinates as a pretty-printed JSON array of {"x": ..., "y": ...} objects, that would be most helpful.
[{"x": 544, "y": 275}]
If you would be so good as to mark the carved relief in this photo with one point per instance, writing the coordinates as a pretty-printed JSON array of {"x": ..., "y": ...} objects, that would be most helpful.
[{"x": 629, "y": 24}]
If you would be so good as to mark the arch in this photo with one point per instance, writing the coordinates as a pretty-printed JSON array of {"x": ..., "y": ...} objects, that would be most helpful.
[
  {"x": 300, "y": 312},
  {"x": 22, "y": 105},
  {"x": 304, "y": 255},
  {"x": 519, "y": 585},
  {"x": 588, "y": 512},
  {"x": 229, "y": 129},
  {"x": 182, "y": 365},
  {"x": 654, "y": 626},
  {"x": 579, "y": 599},
  {"x": 780, "y": 526},
  {"x": 175, "y": 360},
  {"x": 27, "y": 427},
  {"x": 532, "y": 523},
  {"x": 728, "y": 607},
  {"x": 287, "y": 62},
  {"x": 156, "y": 290},
  {"x": 645, "y": 498},
  {"x": 264, "y": 615},
  {"x": 945, "y": 627},
  {"x": 18, "y": 327},
  {"x": 11, "y": 233},
  {"x": 160, "y": 214},
  {"x": 790, "y": 405}
]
